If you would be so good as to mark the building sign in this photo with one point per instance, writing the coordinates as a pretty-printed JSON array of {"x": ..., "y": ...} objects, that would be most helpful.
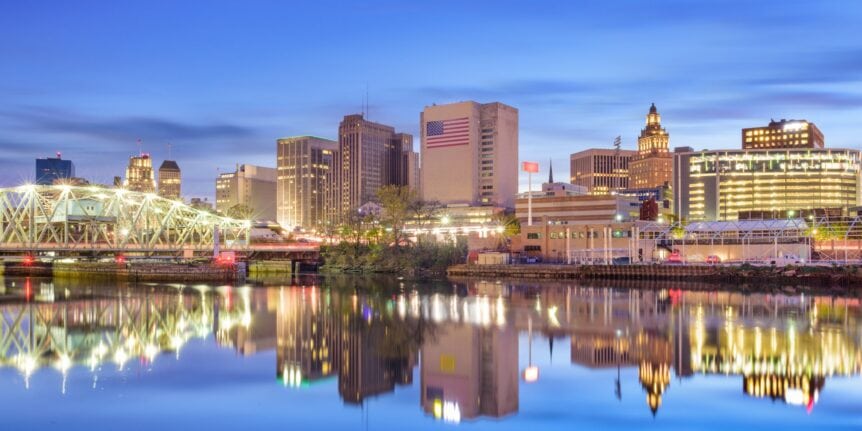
[{"x": 531, "y": 167}]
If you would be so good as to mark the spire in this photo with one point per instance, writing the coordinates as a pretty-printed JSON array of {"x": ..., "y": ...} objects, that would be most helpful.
[
  {"x": 550, "y": 172},
  {"x": 652, "y": 109}
]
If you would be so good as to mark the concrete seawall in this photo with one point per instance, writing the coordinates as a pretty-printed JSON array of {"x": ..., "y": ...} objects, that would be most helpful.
[
  {"x": 133, "y": 272},
  {"x": 815, "y": 276}
]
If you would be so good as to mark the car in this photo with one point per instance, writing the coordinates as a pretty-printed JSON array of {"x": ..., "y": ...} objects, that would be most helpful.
[
  {"x": 674, "y": 258},
  {"x": 713, "y": 259}
]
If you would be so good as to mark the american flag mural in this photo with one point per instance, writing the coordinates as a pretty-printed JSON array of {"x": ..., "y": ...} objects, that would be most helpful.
[{"x": 447, "y": 133}]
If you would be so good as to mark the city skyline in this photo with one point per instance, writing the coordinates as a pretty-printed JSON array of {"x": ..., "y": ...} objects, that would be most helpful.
[{"x": 579, "y": 76}]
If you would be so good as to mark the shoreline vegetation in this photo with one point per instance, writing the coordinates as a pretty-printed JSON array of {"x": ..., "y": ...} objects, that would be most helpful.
[{"x": 421, "y": 260}]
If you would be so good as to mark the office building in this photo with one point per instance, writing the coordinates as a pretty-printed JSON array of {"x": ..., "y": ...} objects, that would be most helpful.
[
  {"x": 470, "y": 153},
  {"x": 139, "y": 174},
  {"x": 783, "y": 134},
  {"x": 50, "y": 169},
  {"x": 601, "y": 171},
  {"x": 652, "y": 165},
  {"x": 369, "y": 157},
  {"x": 734, "y": 184},
  {"x": 251, "y": 188},
  {"x": 560, "y": 207},
  {"x": 170, "y": 179},
  {"x": 305, "y": 187}
]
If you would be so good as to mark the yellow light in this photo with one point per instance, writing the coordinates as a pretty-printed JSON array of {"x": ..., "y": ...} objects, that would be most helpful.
[
  {"x": 64, "y": 363},
  {"x": 531, "y": 374}
]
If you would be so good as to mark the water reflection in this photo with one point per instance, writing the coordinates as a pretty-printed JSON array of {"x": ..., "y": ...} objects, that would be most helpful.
[{"x": 463, "y": 338}]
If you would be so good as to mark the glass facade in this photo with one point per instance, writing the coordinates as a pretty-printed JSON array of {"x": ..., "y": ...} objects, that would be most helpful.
[
  {"x": 50, "y": 169},
  {"x": 723, "y": 184}
]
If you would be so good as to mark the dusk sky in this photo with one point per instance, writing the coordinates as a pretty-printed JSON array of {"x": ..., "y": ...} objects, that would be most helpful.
[{"x": 221, "y": 80}]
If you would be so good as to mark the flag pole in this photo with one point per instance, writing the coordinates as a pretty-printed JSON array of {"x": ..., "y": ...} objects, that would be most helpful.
[{"x": 529, "y": 198}]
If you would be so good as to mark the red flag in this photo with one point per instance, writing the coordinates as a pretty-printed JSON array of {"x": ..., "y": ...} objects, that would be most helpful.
[{"x": 531, "y": 167}]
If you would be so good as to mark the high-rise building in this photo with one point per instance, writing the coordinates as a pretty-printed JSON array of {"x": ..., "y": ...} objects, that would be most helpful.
[
  {"x": 305, "y": 188},
  {"x": 250, "y": 188},
  {"x": 50, "y": 169},
  {"x": 170, "y": 179},
  {"x": 470, "y": 153},
  {"x": 403, "y": 162},
  {"x": 139, "y": 174},
  {"x": 369, "y": 158},
  {"x": 601, "y": 171},
  {"x": 783, "y": 134},
  {"x": 652, "y": 165},
  {"x": 414, "y": 172},
  {"x": 734, "y": 184}
]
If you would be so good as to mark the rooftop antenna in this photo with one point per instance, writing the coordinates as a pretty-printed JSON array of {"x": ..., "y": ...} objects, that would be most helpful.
[
  {"x": 366, "y": 101},
  {"x": 169, "y": 151},
  {"x": 140, "y": 148}
]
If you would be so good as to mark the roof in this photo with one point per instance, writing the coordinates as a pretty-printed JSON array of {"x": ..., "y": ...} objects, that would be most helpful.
[
  {"x": 169, "y": 164},
  {"x": 747, "y": 225}
]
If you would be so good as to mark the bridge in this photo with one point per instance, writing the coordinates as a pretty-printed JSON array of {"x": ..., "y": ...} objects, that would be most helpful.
[{"x": 67, "y": 220}]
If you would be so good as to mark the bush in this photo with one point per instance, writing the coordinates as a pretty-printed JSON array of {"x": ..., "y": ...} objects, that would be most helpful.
[{"x": 421, "y": 258}]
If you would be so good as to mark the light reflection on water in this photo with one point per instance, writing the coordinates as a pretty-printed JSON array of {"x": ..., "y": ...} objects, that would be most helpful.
[{"x": 478, "y": 349}]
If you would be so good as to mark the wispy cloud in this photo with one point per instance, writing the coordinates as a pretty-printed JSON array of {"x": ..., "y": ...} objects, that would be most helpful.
[{"x": 48, "y": 120}]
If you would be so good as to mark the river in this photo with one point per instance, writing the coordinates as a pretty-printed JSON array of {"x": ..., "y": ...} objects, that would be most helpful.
[{"x": 380, "y": 353}]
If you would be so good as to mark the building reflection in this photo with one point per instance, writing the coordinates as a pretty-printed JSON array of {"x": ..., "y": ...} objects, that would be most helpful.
[
  {"x": 782, "y": 347},
  {"x": 43, "y": 324},
  {"x": 464, "y": 339},
  {"x": 469, "y": 371}
]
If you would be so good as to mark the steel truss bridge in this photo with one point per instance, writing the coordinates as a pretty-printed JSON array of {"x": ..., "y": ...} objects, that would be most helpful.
[{"x": 89, "y": 219}]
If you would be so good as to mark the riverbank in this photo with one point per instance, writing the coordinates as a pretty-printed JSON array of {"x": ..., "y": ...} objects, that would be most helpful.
[
  {"x": 845, "y": 276},
  {"x": 132, "y": 272}
]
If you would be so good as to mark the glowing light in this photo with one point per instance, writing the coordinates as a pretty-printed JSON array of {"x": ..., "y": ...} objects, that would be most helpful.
[
  {"x": 150, "y": 351},
  {"x": 27, "y": 364},
  {"x": 531, "y": 374},
  {"x": 64, "y": 363},
  {"x": 120, "y": 357},
  {"x": 552, "y": 316}
]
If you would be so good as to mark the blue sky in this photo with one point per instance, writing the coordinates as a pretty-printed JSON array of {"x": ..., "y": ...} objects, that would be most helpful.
[{"x": 221, "y": 80}]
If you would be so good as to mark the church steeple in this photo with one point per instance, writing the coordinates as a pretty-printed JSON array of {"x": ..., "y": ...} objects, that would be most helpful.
[{"x": 550, "y": 172}]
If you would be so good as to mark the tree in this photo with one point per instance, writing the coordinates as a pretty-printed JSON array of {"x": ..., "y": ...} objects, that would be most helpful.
[
  {"x": 395, "y": 204},
  {"x": 240, "y": 212}
]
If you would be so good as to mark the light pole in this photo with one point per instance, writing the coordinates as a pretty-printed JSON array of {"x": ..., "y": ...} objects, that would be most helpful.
[{"x": 530, "y": 168}]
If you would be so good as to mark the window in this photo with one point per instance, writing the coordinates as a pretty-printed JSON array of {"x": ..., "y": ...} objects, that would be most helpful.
[
  {"x": 532, "y": 248},
  {"x": 534, "y": 235}
]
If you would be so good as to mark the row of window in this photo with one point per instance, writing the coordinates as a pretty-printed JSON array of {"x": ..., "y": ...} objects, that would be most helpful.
[{"x": 580, "y": 235}]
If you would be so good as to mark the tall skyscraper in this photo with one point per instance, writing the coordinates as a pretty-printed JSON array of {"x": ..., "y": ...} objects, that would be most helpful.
[
  {"x": 305, "y": 187},
  {"x": 139, "y": 174},
  {"x": 470, "y": 153},
  {"x": 170, "y": 179},
  {"x": 252, "y": 187},
  {"x": 369, "y": 157},
  {"x": 601, "y": 171},
  {"x": 50, "y": 169},
  {"x": 783, "y": 134},
  {"x": 652, "y": 165}
]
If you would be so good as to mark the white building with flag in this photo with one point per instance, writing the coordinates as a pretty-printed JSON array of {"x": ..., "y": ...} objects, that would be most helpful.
[{"x": 469, "y": 153}]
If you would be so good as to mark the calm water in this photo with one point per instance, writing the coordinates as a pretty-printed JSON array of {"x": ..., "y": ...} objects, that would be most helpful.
[{"x": 314, "y": 354}]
